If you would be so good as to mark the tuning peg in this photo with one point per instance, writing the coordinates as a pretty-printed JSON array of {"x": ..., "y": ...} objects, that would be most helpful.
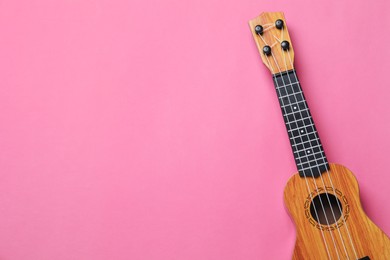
[
  {"x": 259, "y": 29},
  {"x": 267, "y": 50},
  {"x": 279, "y": 24},
  {"x": 285, "y": 45}
]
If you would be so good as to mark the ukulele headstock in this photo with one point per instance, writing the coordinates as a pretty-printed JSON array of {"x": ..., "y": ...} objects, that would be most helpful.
[{"x": 273, "y": 41}]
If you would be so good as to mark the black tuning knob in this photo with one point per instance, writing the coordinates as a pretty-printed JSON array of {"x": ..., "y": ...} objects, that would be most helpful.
[
  {"x": 259, "y": 29},
  {"x": 267, "y": 50},
  {"x": 279, "y": 24},
  {"x": 285, "y": 45}
]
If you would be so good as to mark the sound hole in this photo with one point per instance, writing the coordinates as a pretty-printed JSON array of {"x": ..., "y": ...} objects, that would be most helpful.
[{"x": 322, "y": 199}]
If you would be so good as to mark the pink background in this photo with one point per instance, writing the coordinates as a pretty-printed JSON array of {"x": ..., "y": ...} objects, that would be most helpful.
[{"x": 150, "y": 130}]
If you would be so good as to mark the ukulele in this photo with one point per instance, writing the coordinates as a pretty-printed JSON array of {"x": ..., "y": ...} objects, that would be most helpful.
[{"x": 322, "y": 198}]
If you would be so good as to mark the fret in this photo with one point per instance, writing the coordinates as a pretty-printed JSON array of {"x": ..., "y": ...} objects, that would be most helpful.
[
  {"x": 311, "y": 147},
  {"x": 297, "y": 105},
  {"x": 286, "y": 81},
  {"x": 293, "y": 100},
  {"x": 298, "y": 124},
  {"x": 312, "y": 163},
  {"x": 310, "y": 167},
  {"x": 305, "y": 146},
  {"x": 308, "y": 141},
  {"x": 304, "y": 153},
  {"x": 288, "y": 90},
  {"x": 300, "y": 127},
  {"x": 297, "y": 115},
  {"x": 293, "y": 108},
  {"x": 307, "y": 155},
  {"x": 302, "y": 133},
  {"x": 303, "y": 110},
  {"x": 305, "y": 142},
  {"x": 300, "y": 102},
  {"x": 288, "y": 95},
  {"x": 303, "y": 137},
  {"x": 305, "y": 121},
  {"x": 286, "y": 85}
]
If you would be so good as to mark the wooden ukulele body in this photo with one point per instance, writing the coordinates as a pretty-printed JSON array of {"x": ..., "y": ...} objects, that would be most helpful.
[
  {"x": 323, "y": 199},
  {"x": 368, "y": 239}
]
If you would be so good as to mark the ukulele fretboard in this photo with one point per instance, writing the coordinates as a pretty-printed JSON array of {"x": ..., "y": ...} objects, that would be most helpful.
[{"x": 306, "y": 145}]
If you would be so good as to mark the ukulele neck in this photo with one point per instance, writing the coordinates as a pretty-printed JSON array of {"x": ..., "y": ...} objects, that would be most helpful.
[{"x": 307, "y": 149}]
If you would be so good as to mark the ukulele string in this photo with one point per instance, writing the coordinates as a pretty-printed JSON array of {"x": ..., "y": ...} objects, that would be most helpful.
[
  {"x": 331, "y": 182},
  {"x": 307, "y": 157},
  {"x": 318, "y": 167},
  {"x": 287, "y": 119},
  {"x": 315, "y": 159},
  {"x": 270, "y": 26}
]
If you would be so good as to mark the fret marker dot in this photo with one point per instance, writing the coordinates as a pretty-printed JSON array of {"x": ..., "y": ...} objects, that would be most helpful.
[
  {"x": 295, "y": 108},
  {"x": 302, "y": 131},
  {"x": 308, "y": 151}
]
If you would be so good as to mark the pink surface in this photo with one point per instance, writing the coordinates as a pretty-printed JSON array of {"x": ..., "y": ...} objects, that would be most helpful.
[{"x": 150, "y": 130}]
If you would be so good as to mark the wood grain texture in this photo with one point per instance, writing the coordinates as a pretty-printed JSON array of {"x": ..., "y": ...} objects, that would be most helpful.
[
  {"x": 367, "y": 238},
  {"x": 279, "y": 60}
]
